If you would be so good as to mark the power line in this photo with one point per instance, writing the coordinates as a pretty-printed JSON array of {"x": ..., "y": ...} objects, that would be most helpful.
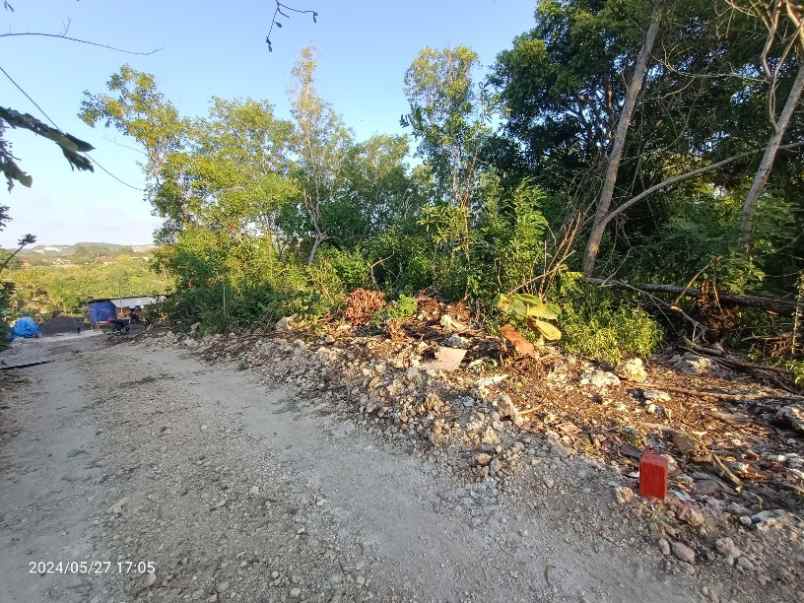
[
  {"x": 104, "y": 169},
  {"x": 112, "y": 175},
  {"x": 81, "y": 41},
  {"x": 29, "y": 97}
]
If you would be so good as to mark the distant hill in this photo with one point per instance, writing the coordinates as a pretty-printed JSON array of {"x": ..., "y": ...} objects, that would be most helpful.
[{"x": 79, "y": 253}]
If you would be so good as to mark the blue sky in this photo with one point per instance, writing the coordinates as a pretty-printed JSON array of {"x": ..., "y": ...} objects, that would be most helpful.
[{"x": 208, "y": 49}]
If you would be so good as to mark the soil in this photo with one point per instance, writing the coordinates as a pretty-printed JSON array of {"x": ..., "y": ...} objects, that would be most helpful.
[{"x": 175, "y": 479}]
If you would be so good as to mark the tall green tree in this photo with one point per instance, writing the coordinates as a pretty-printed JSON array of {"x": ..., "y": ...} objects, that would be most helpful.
[
  {"x": 320, "y": 143},
  {"x": 448, "y": 117}
]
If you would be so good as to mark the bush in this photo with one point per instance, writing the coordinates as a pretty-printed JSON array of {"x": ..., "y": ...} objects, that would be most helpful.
[
  {"x": 599, "y": 326},
  {"x": 399, "y": 310}
]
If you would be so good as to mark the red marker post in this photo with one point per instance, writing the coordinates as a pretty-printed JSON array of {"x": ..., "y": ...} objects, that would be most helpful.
[{"x": 652, "y": 475}]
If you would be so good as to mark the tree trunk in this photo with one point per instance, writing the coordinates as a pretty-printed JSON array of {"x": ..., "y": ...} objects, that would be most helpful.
[
  {"x": 616, "y": 155},
  {"x": 768, "y": 158},
  {"x": 319, "y": 238}
]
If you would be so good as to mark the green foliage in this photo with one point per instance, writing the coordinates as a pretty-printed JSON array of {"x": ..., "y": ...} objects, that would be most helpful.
[
  {"x": 43, "y": 290},
  {"x": 603, "y": 327},
  {"x": 266, "y": 216},
  {"x": 796, "y": 368},
  {"x": 533, "y": 311},
  {"x": 399, "y": 310}
]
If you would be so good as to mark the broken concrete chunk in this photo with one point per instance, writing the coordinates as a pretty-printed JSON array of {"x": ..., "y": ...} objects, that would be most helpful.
[
  {"x": 284, "y": 324},
  {"x": 633, "y": 369},
  {"x": 599, "y": 378},
  {"x": 446, "y": 359},
  {"x": 450, "y": 324},
  {"x": 456, "y": 341}
]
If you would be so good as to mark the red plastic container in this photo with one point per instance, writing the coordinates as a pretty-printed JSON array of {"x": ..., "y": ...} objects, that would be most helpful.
[{"x": 652, "y": 475}]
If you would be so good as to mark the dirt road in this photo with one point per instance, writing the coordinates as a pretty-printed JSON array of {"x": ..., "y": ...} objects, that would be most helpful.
[{"x": 177, "y": 481}]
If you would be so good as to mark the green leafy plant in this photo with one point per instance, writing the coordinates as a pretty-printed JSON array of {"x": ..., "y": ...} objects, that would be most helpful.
[
  {"x": 531, "y": 310},
  {"x": 398, "y": 311},
  {"x": 603, "y": 326}
]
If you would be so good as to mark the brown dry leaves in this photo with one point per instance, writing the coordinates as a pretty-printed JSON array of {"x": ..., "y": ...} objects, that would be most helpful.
[
  {"x": 521, "y": 345},
  {"x": 362, "y": 304}
]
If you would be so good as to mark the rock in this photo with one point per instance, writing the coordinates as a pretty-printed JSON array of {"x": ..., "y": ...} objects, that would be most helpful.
[
  {"x": 490, "y": 437},
  {"x": 655, "y": 395},
  {"x": 744, "y": 564},
  {"x": 765, "y": 520},
  {"x": 117, "y": 508},
  {"x": 727, "y": 548},
  {"x": 446, "y": 359},
  {"x": 456, "y": 341},
  {"x": 507, "y": 409},
  {"x": 623, "y": 494},
  {"x": 683, "y": 552},
  {"x": 599, "y": 378},
  {"x": 450, "y": 324},
  {"x": 691, "y": 515},
  {"x": 633, "y": 369},
  {"x": 792, "y": 417},
  {"x": 482, "y": 459},
  {"x": 664, "y": 546},
  {"x": 692, "y": 364},
  {"x": 491, "y": 380},
  {"x": 284, "y": 324},
  {"x": 684, "y": 442}
]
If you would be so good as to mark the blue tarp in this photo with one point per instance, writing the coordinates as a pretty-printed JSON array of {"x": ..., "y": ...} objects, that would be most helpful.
[
  {"x": 25, "y": 327},
  {"x": 101, "y": 311}
]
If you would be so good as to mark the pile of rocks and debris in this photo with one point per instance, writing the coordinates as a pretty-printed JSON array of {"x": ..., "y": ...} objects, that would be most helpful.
[{"x": 734, "y": 447}]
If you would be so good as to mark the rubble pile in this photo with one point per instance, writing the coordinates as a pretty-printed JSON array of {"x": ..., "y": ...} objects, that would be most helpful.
[{"x": 735, "y": 448}]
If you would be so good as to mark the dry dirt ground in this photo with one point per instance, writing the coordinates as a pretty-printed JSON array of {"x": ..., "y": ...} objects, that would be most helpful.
[{"x": 175, "y": 480}]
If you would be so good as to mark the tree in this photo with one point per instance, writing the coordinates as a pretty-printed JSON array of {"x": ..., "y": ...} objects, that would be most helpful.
[
  {"x": 447, "y": 116},
  {"x": 618, "y": 144},
  {"x": 136, "y": 108},
  {"x": 320, "y": 143},
  {"x": 789, "y": 34}
]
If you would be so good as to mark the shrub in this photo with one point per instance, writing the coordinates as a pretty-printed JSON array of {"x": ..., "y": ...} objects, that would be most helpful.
[
  {"x": 399, "y": 310},
  {"x": 600, "y": 326}
]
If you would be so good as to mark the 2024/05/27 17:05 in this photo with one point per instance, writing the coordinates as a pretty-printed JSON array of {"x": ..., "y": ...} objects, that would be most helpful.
[{"x": 123, "y": 566}]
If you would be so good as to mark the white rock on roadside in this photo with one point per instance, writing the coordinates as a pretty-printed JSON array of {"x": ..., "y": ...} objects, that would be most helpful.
[
  {"x": 284, "y": 324},
  {"x": 446, "y": 359},
  {"x": 599, "y": 378},
  {"x": 633, "y": 369},
  {"x": 726, "y": 547},
  {"x": 623, "y": 494},
  {"x": 683, "y": 552}
]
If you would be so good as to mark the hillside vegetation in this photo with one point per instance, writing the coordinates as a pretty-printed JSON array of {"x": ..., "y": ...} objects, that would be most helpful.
[
  {"x": 614, "y": 143},
  {"x": 62, "y": 278}
]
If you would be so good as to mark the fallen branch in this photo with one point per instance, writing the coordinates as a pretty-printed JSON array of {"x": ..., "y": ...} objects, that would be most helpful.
[
  {"x": 730, "y": 360},
  {"x": 782, "y": 306},
  {"x": 726, "y": 473},
  {"x": 19, "y": 366},
  {"x": 697, "y": 326}
]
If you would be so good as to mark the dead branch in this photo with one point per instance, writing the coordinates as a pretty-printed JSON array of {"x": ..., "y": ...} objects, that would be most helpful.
[
  {"x": 19, "y": 366},
  {"x": 781, "y": 306}
]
